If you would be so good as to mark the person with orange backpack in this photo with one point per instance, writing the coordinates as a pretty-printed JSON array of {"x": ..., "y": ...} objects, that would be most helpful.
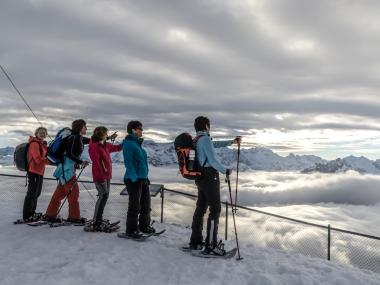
[
  {"x": 37, "y": 161},
  {"x": 208, "y": 185}
]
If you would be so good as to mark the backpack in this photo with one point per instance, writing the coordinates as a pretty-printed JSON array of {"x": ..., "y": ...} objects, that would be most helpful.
[
  {"x": 185, "y": 147},
  {"x": 20, "y": 156},
  {"x": 57, "y": 147}
]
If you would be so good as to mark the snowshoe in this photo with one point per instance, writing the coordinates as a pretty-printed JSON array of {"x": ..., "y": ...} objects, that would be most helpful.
[
  {"x": 101, "y": 226},
  {"x": 203, "y": 254},
  {"x": 136, "y": 235},
  {"x": 81, "y": 221},
  {"x": 60, "y": 224},
  {"x": 215, "y": 250},
  {"x": 37, "y": 223},
  {"x": 156, "y": 234},
  {"x": 49, "y": 219},
  {"x": 192, "y": 246},
  {"x": 34, "y": 218},
  {"x": 19, "y": 221}
]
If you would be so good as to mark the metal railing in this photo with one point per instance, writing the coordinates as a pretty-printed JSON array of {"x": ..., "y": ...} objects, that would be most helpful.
[
  {"x": 261, "y": 228},
  {"x": 331, "y": 244}
]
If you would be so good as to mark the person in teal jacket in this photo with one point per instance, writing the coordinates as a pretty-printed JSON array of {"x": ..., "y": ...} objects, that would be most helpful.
[{"x": 137, "y": 182}]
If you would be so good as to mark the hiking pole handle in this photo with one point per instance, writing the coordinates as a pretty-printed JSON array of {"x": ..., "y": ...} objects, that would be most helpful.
[{"x": 237, "y": 140}]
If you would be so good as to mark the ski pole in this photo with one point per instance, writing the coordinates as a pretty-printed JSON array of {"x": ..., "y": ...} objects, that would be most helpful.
[
  {"x": 88, "y": 191},
  {"x": 67, "y": 196},
  {"x": 237, "y": 174},
  {"x": 233, "y": 217}
]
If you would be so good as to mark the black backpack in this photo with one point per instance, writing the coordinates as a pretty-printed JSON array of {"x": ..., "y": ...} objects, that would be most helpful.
[
  {"x": 185, "y": 147},
  {"x": 20, "y": 156}
]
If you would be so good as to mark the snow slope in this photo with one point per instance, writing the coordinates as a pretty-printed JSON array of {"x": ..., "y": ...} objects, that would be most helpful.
[{"x": 68, "y": 255}]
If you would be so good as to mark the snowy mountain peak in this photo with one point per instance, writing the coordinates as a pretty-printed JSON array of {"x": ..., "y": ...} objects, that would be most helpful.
[
  {"x": 258, "y": 158},
  {"x": 360, "y": 164}
]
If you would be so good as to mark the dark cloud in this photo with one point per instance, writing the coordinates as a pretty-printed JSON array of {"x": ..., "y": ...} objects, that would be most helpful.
[{"x": 241, "y": 63}]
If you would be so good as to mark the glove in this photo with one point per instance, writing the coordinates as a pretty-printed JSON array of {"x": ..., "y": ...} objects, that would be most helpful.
[
  {"x": 112, "y": 137},
  {"x": 228, "y": 171},
  {"x": 237, "y": 140}
]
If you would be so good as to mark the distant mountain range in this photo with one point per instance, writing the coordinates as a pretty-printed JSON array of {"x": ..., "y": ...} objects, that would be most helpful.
[{"x": 259, "y": 158}]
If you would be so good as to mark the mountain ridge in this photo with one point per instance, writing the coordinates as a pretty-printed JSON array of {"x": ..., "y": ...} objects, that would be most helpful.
[{"x": 258, "y": 158}]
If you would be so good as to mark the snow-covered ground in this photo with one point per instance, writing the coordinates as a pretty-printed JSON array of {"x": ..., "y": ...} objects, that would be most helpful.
[{"x": 70, "y": 256}]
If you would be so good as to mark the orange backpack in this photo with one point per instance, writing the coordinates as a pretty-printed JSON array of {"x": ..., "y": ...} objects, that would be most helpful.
[{"x": 185, "y": 147}]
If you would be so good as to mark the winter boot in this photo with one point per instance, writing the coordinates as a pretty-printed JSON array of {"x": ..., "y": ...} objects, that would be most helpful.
[
  {"x": 148, "y": 230},
  {"x": 37, "y": 216},
  {"x": 196, "y": 246},
  {"x": 34, "y": 218},
  {"x": 135, "y": 234}
]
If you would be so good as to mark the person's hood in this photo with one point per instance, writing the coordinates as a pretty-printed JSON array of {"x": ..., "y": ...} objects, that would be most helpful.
[
  {"x": 93, "y": 142},
  {"x": 34, "y": 139},
  {"x": 203, "y": 133},
  {"x": 133, "y": 137}
]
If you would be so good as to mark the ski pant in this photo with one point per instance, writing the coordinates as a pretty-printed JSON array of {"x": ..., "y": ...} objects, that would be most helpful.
[
  {"x": 69, "y": 190},
  {"x": 208, "y": 196},
  {"x": 138, "y": 216},
  {"x": 103, "y": 193},
  {"x": 34, "y": 191}
]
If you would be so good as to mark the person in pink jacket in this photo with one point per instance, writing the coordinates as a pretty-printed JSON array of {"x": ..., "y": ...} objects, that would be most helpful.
[{"x": 99, "y": 151}]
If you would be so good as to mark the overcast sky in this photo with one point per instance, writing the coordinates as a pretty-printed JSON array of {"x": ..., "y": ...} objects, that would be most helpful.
[{"x": 296, "y": 76}]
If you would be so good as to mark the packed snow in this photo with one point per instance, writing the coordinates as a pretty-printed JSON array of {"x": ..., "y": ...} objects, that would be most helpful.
[{"x": 68, "y": 255}]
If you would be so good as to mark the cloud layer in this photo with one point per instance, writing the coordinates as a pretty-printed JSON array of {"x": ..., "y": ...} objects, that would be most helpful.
[{"x": 293, "y": 72}]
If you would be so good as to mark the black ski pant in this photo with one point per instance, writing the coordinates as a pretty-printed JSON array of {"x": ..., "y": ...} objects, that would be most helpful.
[
  {"x": 34, "y": 191},
  {"x": 103, "y": 193},
  {"x": 138, "y": 216},
  {"x": 208, "y": 196}
]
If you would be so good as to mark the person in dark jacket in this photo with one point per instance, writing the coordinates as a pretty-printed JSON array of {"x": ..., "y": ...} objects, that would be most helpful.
[
  {"x": 208, "y": 190},
  {"x": 99, "y": 151},
  {"x": 67, "y": 178},
  {"x": 37, "y": 162},
  {"x": 137, "y": 182}
]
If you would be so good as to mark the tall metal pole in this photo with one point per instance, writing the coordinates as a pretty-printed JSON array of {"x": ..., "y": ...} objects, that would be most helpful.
[
  {"x": 233, "y": 218},
  {"x": 237, "y": 174}
]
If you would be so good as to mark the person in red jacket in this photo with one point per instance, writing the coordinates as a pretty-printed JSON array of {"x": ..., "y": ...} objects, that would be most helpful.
[
  {"x": 36, "y": 168},
  {"x": 99, "y": 151}
]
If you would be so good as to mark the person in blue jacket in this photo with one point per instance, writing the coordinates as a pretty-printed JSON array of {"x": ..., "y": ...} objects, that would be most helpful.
[
  {"x": 137, "y": 182},
  {"x": 208, "y": 189}
]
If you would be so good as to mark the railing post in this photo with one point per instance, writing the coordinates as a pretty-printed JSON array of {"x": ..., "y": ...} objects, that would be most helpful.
[
  {"x": 226, "y": 229},
  {"x": 162, "y": 204},
  {"x": 328, "y": 241}
]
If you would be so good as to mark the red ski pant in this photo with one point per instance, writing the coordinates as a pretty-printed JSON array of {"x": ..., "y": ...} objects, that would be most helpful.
[{"x": 60, "y": 193}]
